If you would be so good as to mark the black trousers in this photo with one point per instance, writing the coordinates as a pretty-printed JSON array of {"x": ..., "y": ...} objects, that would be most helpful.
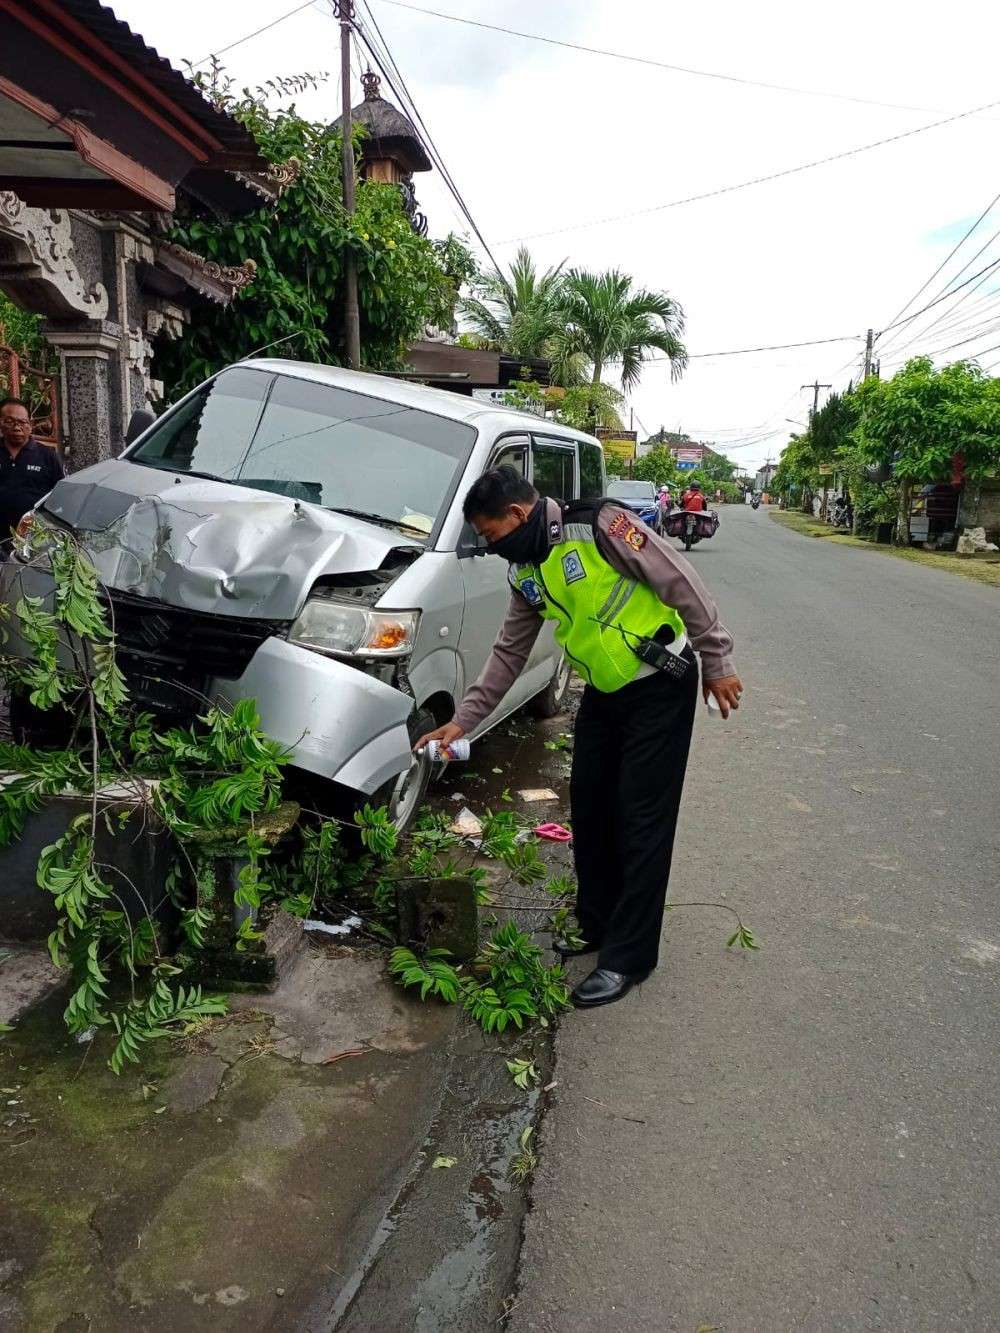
[{"x": 629, "y": 758}]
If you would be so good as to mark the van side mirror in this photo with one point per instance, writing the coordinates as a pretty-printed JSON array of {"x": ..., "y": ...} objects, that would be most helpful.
[
  {"x": 140, "y": 420},
  {"x": 470, "y": 543}
]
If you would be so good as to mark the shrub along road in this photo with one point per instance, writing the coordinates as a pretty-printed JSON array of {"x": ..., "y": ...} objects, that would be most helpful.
[{"x": 805, "y": 1138}]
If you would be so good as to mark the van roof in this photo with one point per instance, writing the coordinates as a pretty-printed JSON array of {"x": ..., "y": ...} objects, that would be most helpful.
[{"x": 440, "y": 402}]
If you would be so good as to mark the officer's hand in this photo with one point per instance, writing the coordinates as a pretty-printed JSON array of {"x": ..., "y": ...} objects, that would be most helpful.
[
  {"x": 727, "y": 691},
  {"x": 446, "y": 734}
]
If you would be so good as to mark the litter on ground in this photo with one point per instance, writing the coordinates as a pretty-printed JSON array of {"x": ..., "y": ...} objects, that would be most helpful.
[{"x": 538, "y": 794}]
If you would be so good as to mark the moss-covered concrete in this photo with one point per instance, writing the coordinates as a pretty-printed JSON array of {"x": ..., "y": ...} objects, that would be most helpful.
[{"x": 189, "y": 1194}]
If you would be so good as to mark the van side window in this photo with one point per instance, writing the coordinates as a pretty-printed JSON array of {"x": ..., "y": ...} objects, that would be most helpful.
[
  {"x": 511, "y": 452},
  {"x": 513, "y": 455},
  {"x": 553, "y": 468},
  {"x": 591, "y": 471}
]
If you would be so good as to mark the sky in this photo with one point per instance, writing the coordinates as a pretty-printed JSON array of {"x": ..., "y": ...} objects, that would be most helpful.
[{"x": 545, "y": 142}]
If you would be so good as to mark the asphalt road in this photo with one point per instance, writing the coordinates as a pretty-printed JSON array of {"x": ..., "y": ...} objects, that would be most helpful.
[{"x": 806, "y": 1138}]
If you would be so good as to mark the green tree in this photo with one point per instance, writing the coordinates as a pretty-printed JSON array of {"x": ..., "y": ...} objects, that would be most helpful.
[
  {"x": 581, "y": 406},
  {"x": 609, "y": 320},
  {"x": 922, "y": 419},
  {"x": 519, "y": 313},
  {"x": 658, "y": 466},
  {"x": 21, "y": 331},
  {"x": 298, "y": 244}
]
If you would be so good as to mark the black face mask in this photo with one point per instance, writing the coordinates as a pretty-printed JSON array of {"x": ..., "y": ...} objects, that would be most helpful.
[{"x": 528, "y": 544}]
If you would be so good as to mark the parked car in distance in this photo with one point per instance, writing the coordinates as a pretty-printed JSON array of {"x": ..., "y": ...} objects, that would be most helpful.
[
  {"x": 639, "y": 496},
  {"x": 293, "y": 533}
]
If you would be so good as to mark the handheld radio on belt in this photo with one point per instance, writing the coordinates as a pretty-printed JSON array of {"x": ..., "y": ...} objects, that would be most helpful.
[{"x": 651, "y": 652}]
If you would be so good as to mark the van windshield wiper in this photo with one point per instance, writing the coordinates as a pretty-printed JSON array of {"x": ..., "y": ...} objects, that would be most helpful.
[
  {"x": 376, "y": 518},
  {"x": 182, "y": 471},
  {"x": 193, "y": 472}
]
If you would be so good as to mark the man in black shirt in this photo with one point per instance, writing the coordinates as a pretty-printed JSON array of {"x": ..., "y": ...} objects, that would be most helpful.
[{"x": 28, "y": 469}]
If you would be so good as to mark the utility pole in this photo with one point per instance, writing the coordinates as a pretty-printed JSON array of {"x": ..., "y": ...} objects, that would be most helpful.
[
  {"x": 352, "y": 318},
  {"x": 816, "y": 386},
  {"x": 869, "y": 343}
]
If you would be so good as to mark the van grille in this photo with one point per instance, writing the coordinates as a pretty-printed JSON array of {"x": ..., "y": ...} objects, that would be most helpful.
[{"x": 168, "y": 655}]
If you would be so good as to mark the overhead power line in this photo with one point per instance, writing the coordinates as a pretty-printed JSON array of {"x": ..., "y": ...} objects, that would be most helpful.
[
  {"x": 951, "y": 314},
  {"x": 657, "y": 64},
  {"x": 256, "y": 33},
  {"x": 378, "y": 49},
  {"x": 947, "y": 259},
  {"x": 759, "y": 180},
  {"x": 985, "y": 330},
  {"x": 770, "y": 347},
  {"x": 941, "y": 330},
  {"x": 943, "y": 296}
]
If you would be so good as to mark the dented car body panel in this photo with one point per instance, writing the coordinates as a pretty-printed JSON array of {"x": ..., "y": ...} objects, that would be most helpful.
[
  {"x": 224, "y": 525},
  {"x": 210, "y": 546}
]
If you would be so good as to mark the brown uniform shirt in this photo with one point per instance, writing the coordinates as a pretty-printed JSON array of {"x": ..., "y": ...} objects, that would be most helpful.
[{"x": 655, "y": 563}]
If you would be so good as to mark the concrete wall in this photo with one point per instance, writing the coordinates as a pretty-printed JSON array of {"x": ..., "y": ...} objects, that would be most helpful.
[{"x": 980, "y": 507}]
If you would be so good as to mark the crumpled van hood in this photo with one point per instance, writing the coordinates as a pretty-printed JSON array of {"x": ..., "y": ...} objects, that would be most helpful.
[{"x": 208, "y": 546}]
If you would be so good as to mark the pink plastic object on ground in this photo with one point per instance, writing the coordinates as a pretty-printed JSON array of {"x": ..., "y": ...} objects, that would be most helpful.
[{"x": 553, "y": 833}]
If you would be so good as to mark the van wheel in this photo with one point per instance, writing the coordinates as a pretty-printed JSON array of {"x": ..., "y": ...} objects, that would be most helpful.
[
  {"x": 552, "y": 699},
  {"x": 404, "y": 794}
]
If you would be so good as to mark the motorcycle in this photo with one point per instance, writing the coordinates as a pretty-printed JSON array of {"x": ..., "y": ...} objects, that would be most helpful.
[
  {"x": 691, "y": 526},
  {"x": 755, "y": 502}
]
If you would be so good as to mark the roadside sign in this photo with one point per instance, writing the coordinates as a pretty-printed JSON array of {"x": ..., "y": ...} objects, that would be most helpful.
[
  {"x": 622, "y": 450},
  {"x": 501, "y": 398}
]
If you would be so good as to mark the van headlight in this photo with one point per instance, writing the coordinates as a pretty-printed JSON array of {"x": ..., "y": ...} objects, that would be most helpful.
[
  {"x": 332, "y": 627},
  {"x": 33, "y": 536}
]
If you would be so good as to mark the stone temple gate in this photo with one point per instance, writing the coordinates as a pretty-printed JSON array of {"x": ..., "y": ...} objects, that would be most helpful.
[
  {"x": 106, "y": 287},
  {"x": 98, "y": 136}
]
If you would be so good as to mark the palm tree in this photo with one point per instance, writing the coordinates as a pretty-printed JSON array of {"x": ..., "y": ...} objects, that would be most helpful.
[
  {"x": 609, "y": 321},
  {"x": 520, "y": 313}
]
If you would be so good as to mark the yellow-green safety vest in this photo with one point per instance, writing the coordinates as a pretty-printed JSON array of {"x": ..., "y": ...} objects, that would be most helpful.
[{"x": 592, "y": 604}]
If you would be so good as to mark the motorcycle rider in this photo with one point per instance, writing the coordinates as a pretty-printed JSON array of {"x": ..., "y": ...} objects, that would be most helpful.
[
  {"x": 692, "y": 500},
  {"x": 634, "y": 726}
]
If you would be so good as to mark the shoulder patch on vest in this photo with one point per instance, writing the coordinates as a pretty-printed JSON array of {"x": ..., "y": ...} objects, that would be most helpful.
[
  {"x": 555, "y": 529},
  {"x": 573, "y": 568},
  {"x": 530, "y": 591},
  {"x": 626, "y": 531}
]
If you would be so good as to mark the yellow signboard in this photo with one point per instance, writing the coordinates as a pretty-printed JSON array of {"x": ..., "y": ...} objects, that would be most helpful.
[{"x": 620, "y": 450}]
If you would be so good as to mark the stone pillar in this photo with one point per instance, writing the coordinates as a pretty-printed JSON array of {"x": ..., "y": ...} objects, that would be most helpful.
[{"x": 91, "y": 419}]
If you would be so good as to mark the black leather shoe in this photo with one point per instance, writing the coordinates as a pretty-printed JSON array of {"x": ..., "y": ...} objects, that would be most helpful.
[
  {"x": 603, "y": 986},
  {"x": 565, "y": 950}
]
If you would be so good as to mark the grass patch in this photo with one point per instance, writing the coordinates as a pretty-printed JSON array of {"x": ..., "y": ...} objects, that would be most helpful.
[{"x": 980, "y": 571}]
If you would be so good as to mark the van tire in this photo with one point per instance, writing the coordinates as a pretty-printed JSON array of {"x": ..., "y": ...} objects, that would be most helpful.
[
  {"x": 553, "y": 699},
  {"x": 404, "y": 794}
]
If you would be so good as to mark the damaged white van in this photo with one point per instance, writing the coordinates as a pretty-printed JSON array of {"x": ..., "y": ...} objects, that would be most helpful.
[{"x": 293, "y": 534}]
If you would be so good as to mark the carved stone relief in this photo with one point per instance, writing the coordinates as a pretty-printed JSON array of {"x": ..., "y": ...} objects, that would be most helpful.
[{"x": 37, "y": 261}]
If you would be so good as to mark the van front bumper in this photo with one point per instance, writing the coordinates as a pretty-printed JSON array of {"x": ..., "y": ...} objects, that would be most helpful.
[{"x": 335, "y": 721}]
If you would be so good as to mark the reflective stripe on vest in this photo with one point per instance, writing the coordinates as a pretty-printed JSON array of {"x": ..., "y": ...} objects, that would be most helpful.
[{"x": 577, "y": 588}]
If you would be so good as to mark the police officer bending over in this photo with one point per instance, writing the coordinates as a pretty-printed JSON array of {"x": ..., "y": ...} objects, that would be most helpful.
[{"x": 629, "y": 613}]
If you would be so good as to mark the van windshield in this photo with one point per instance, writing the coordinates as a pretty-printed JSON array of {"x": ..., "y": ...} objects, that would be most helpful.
[{"x": 317, "y": 443}]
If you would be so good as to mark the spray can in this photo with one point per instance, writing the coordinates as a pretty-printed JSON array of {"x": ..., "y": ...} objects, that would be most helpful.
[
  {"x": 714, "y": 711},
  {"x": 443, "y": 754}
]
